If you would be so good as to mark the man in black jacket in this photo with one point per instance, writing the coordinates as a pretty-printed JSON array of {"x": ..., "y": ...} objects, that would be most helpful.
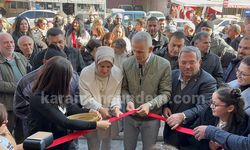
[
  {"x": 159, "y": 40},
  {"x": 243, "y": 51},
  {"x": 210, "y": 62},
  {"x": 56, "y": 36},
  {"x": 192, "y": 89},
  {"x": 172, "y": 50}
]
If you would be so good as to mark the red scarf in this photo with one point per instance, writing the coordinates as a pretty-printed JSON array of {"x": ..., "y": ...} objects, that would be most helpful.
[{"x": 73, "y": 39}]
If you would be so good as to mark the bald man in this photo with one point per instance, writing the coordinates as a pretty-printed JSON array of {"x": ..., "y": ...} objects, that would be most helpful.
[
  {"x": 13, "y": 67},
  {"x": 26, "y": 45},
  {"x": 28, "y": 48}
]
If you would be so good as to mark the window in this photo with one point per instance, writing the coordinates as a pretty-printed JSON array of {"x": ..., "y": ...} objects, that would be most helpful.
[
  {"x": 19, "y": 4},
  {"x": 225, "y": 23},
  {"x": 79, "y": 6},
  {"x": 29, "y": 14},
  {"x": 137, "y": 16},
  {"x": 25, "y": 5},
  {"x": 13, "y": 5},
  {"x": 49, "y": 15},
  {"x": 39, "y": 14}
]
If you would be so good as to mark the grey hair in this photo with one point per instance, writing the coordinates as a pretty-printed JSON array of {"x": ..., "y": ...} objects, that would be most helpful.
[
  {"x": 143, "y": 36},
  {"x": 199, "y": 36},
  {"x": 119, "y": 43},
  {"x": 246, "y": 38},
  {"x": 23, "y": 37},
  {"x": 5, "y": 33},
  {"x": 191, "y": 49}
]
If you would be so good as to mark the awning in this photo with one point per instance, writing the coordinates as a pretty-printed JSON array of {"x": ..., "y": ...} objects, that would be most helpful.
[
  {"x": 197, "y": 3},
  {"x": 213, "y": 3},
  {"x": 238, "y": 4}
]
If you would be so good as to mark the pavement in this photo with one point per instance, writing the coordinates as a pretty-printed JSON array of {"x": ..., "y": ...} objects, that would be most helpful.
[{"x": 117, "y": 143}]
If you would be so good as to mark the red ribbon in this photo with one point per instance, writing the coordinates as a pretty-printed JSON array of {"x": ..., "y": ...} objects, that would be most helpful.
[
  {"x": 180, "y": 129},
  {"x": 69, "y": 137},
  {"x": 76, "y": 134}
]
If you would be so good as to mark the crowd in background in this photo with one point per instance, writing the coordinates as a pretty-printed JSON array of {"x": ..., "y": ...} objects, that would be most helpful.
[{"x": 196, "y": 78}]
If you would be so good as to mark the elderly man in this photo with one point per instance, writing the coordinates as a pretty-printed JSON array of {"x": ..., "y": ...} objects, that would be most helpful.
[
  {"x": 189, "y": 30},
  {"x": 235, "y": 43},
  {"x": 171, "y": 52},
  {"x": 210, "y": 62},
  {"x": 146, "y": 87},
  {"x": 12, "y": 68},
  {"x": 233, "y": 32},
  {"x": 159, "y": 40},
  {"x": 192, "y": 89},
  {"x": 243, "y": 51},
  {"x": 218, "y": 45},
  {"x": 28, "y": 48}
]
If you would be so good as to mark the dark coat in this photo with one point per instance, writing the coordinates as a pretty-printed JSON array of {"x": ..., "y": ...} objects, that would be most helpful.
[
  {"x": 188, "y": 41},
  {"x": 173, "y": 60},
  {"x": 211, "y": 64},
  {"x": 235, "y": 43},
  {"x": 230, "y": 72},
  {"x": 46, "y": 116},
  {"x": 24, "y": 92},
  {"x": 73, "y": 55},
  {"x": 87, "y": 58},
  {"x": 160, "y": 43},
  {"x": 192, "y": 100}
]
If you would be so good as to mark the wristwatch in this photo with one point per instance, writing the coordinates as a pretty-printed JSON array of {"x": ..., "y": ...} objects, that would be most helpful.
[
  {"x": 150, "y": 106},
  {"x": 184, "y": 117}
]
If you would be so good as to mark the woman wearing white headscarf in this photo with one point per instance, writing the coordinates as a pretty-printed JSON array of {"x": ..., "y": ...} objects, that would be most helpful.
[{"x": 100, "y": 88}]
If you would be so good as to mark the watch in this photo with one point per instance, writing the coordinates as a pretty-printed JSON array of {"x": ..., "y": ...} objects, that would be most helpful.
[
  {"x": 184, "y": 116},
  {"x": 150, "y": 105}
]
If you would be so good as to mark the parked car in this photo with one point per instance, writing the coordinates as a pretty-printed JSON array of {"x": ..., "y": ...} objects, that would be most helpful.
[
  {"x": 220, "y": 23},
  {"x": 180, "y": 23},
  {"x": 32, "y": 15},
  {"x": 129, "y": 16},
  {"x": 157, "y": 14}
]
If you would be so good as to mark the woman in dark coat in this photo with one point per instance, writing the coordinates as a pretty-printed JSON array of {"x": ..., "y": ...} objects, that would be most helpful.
[{"x": 48, "y": 105}]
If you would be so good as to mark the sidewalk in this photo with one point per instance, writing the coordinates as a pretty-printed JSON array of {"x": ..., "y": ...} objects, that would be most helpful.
[{"x": 117, "y": 143}]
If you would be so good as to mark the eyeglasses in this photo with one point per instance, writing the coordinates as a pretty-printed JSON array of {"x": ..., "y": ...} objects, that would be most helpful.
[
  {"x": 213, "y": 105},
  {"x": 241, "y": 74}
]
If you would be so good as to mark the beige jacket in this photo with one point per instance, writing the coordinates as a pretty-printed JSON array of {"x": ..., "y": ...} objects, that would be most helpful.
[{"x": 90, "y": 96}]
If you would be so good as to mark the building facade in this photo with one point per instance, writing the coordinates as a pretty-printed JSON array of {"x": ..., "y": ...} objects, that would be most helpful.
[
  {"x": 14, "y": 7},
  {"x": 147, "y": 5}
]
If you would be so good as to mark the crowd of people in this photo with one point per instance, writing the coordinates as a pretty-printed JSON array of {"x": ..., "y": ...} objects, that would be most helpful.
[{"x": 193, "y": 77}]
